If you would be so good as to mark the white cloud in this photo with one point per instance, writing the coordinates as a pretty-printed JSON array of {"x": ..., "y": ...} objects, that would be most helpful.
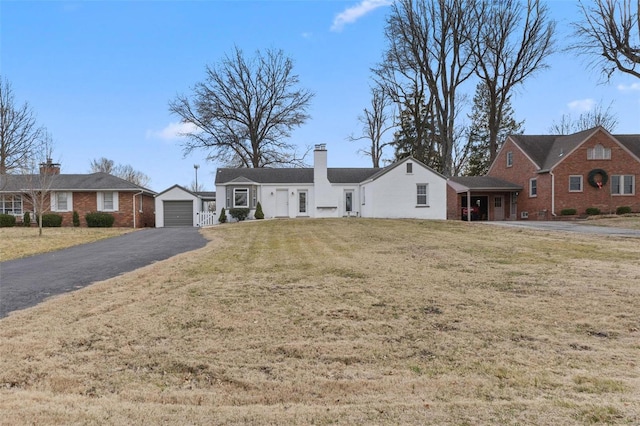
[
  {"x": 629, "y": 88},
  {"x": 352, "y": 14},
  {"x": 172, "y": 131},
  {"x": 582, "y": 105}
]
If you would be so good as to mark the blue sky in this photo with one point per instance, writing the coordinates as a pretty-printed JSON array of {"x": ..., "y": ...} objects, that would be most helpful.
[{"x": 99, "y": 74}]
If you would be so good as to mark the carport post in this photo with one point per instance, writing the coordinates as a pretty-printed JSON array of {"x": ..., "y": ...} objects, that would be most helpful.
[{"x": 468, "y": 205}]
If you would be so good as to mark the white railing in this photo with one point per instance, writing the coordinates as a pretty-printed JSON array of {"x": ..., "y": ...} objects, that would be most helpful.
[{"x": 206, "y": 218}]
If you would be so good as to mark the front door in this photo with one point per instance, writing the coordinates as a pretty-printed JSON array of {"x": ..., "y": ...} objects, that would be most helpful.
[
  {"x": 282, "y": 203},
  {"x": 348, "y": 203},
  {"x": 498, "y": 208}
]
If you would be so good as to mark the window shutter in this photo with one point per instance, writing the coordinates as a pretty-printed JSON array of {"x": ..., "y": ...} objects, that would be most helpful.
[
  {"x": 115, "y": 201},
  {"x": 53, "y": 197},
  {"x": 69, "y": 201},
  {"x": 100, "y": 199}
]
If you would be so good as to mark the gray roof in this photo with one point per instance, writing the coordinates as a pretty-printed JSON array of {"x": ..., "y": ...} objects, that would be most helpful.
[
  {"x": 69, "y": 182},
  {"x": 291, "y": 175},
  {"x": 548, "y": 150},
  {"x": 482, "y": 183}
]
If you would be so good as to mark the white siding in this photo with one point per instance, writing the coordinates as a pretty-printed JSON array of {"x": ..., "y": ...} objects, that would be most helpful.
[
  {"x": 175, "y": 194},
  {"x": 394, "y": 194}
]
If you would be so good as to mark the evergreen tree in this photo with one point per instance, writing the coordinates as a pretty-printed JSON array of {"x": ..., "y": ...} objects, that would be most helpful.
[
  {"x": 417, "y": 136},
  {"x": 479, "y": 159}
]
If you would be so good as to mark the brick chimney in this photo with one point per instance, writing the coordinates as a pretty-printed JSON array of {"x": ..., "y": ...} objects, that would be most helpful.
[{"x": 49, "y": 168}]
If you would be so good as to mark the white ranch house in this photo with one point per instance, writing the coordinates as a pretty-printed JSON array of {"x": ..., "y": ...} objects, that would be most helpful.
[{"x": 405, "y": 189}]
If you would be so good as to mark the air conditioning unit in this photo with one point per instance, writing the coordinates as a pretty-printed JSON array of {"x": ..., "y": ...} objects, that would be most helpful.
[{"x": 524, "y": 215}]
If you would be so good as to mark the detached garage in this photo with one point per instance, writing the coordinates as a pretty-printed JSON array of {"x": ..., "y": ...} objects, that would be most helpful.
[{"x": 177, "y": 206}]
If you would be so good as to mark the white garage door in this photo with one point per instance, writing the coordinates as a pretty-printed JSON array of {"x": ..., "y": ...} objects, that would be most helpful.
[{"x": 178, "y": 213}]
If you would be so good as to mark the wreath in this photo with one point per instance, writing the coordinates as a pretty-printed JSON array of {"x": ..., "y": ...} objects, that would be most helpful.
[{"x": 592, "y": 178}]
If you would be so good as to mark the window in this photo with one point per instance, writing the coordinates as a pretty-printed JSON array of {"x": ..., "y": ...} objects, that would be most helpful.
[
  {"x": 409, "y": 168},
  {"x": 107, "y": 201},
  {"x": 575, "y": 183},
  {"x": 533, "y": 187},
  {"x": 363, "y": 195},
  {"x": 61, "y": 201},
  {"x": 422, "y": 198},
  {"x": 254, "y": 197},
  {"x": 302, "y": 202},
  {"x": 241, "y": 197},
  {"x": 11, "y": 204},
  {"x": 623, "y": 184},
  {"x": 497, "y": 202},
  {"x": 599, "y": 152},
  {"x": 509, "y": 159}
]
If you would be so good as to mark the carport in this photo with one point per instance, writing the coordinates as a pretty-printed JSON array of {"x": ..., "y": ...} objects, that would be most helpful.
[{"x": 481, "y": 198}]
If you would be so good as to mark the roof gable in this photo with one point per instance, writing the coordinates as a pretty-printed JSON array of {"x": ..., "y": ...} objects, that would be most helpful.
[{"x": 547, "y": 151}]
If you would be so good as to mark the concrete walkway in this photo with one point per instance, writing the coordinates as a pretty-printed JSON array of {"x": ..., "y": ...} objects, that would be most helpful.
[{"x": 28, "y": 281}]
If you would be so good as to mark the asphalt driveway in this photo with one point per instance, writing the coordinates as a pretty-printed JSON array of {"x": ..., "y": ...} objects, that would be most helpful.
[
  {"x": 570, "y": 226},
  {"x": 28, "y": 281}
]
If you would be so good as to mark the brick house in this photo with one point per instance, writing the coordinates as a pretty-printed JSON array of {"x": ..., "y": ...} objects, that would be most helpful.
[
  {"x": 131, "y": 205},
  {"x": 588, "y": 169}
]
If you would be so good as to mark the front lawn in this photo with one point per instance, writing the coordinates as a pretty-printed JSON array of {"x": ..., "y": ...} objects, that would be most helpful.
[{"x": 348, "y": 321}]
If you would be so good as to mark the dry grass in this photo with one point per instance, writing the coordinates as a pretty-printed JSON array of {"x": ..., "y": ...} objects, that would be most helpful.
[
  {"x": 341, "y": 321},
  {"x": 20, "y": 242}
]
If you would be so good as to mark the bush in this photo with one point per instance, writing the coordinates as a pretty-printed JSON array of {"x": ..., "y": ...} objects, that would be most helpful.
[
  {"x": 623, "y": 210},
  {"x": 239, "y": 214},
  {"x": 258, "y": 214},
  {"x": 50, "y": 220},
  {"x": 568, "y": 212},
  {"x": 223, "y": 216},
  {"x": 76, "y": 219},
  {"x": 7, "y": 220},
  {"x": 26, "y": 219},
  {"x": 99, "y": 220},
  {"x": 593, "y": 211}
]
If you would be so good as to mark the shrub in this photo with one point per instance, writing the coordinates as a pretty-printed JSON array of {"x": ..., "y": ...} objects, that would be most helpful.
[
  {"x": 568, "y": 212},
  {"x": 50, "y": 220},
  {"x": 76, "y": 219},
  {"x": 223, "y": 216},
  {"x": 623, "y": 210},
  {"x": 99, "y": 220},
  {"x": 7, "y": 220},
  {"x": 239, "y": 214},
  {"x": 593, "y": 211},
  {"x": 26, "y": 219},
  {"x": 258, "y": 214}
]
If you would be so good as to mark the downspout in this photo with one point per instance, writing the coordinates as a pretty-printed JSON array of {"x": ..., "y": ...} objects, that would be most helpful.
[
  {"x": 468, "y": 205},
  {"x": 553, "y": 194},
  {"x": 134, "y": 208}
]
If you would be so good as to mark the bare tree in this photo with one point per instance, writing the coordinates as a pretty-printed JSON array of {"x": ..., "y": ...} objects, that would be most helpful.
[
  {"x": 510, "y": 41},
  {"x": 103, "y": 165},
  {"x": 587, "y": 120},
  {"x": 609, "y": 33},
  {"x": 245, "y": 110},
  {"x": 376, "y": 121},
  {"x": 19, "y": 134},
  {"x": 39, "y": 178},
  {"x": 429, "y": 37},
  {"x": 123, "y": 171}
]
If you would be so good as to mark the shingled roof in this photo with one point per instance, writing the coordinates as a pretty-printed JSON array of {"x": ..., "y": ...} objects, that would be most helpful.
[
  {"x": 548, "y": 150},
  {"x": 291, "y": 175},
  {"x": 69, "y": 182},
  {"x": 481, "y": 183}
]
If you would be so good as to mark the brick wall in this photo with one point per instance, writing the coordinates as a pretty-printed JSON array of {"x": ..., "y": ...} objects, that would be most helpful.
[
  {"x": 87, "y": 202},
  {"x": 574, "y": 164}
]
